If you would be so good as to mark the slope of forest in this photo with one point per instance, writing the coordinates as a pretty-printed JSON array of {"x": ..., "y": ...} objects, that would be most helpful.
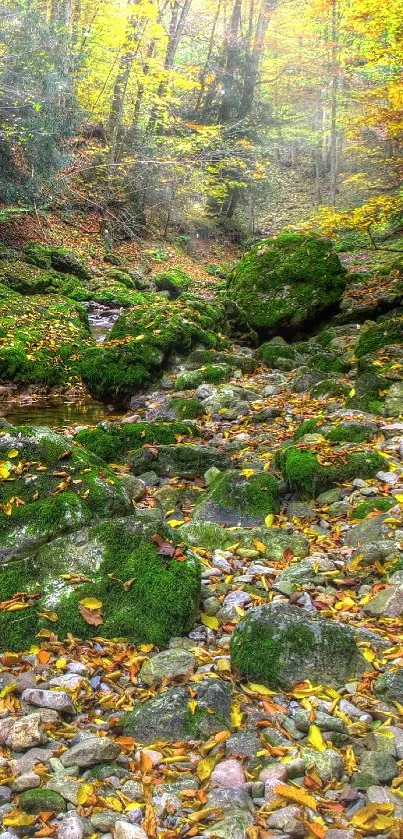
[{"x": 201, "y": 419}]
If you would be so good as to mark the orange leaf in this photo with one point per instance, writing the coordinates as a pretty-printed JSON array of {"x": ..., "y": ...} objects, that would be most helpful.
[
  {"x": 43, "y": 656},
  {"x": 92, "y": 617},
  {"x": 295, "y": 794}
]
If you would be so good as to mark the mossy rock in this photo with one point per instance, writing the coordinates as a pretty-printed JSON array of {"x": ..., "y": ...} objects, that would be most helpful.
[
  {"x": 198, "y": 358},
  {"x": 279, "y": 645},
  {"x": 327, "y": 362},
  {"x": 372, "y": 505},
  {"x": 348, "y": 431},
  {"x": 61, "y": 259},
  {"x": 142, "y": 340},
  {"x": 41, "y": 338},
  {"x": 236, "y": 500},
  {"x": 368, "y": 393},
  {"x": 186, "y": 409},
  {"x": 382, "y": 334},
  {"x": 211, "y": 373},
  {"x": 58, "y": 488},
  {"x": 42, "y": 800},
  {"x": 185, "y": 461},
  {"x": 211, "y": 536},
  {"x": 287, "y": 282},
  {"x": 146, "y": 596},
  {"x": 174, "y": 281},
  {"x": 112, "y": 441},
  {"x": 272, "y": 355},
  {"x": 306, "y": 475}
]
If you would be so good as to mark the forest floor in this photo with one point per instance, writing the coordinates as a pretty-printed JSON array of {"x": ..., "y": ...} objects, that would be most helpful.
[{"x": 321, "y": 758}]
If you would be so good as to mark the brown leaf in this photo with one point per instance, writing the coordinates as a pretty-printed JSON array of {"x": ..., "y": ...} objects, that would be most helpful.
[{"x": 91, "y": 616}]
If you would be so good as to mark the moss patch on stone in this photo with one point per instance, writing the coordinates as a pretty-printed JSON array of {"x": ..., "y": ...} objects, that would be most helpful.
[
  {"x": 285, "y": 282},
  {"x": 41, "y": 801},
  {"x": 186, "y": 409},
  {"x": 303, "y": 472},
  {"x": 255, "y": 496},
  {"x": 382, "y": 334},
  {"x": 112, "y": 441}
]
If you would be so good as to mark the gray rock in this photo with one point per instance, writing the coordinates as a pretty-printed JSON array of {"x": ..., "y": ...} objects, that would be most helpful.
[
  {"x": 370, "y": 531},
  {"x": 5, "y": 795},
  {"x": 243, "y": 744},
  {"x": 302, "y": 646},
  {"x": 234, "y": 826},
  {"x": 135, "y": 487},
  {"x": 380, "y": 795},
  {"x": 189, "y": 461},
  {"x": 228, "y": 610},
  {"x": 55, "y": 700},
  {"x": 30, "y": 780},
  {"x": 167, "y": 665},
  {"x": 105, "y": 821},
  {"x": 228, "y": 774},
  {"x": 26, "y": 733},
  {"x": 67, "y": 787},
  {"x": 124, "y": 830},
  {"x": 394, "y": 400},
  {"x": 26, "y": 763},
  {"x": 324, "y": 721},
  {"x": 328, "y": 764},
  {"x": 300, "y": 573},
  {"x": 90, "y": 751},
  {"x": 166, "y": 717},
  {"x": 397, "y": 739},
  {"x": 72, "y": 826},
  {"x": 286, "y": 820},
  {"x": 376, "y": 768},
  {"x": 389, "y": 687},
  {"x": 388, "y": 602}
]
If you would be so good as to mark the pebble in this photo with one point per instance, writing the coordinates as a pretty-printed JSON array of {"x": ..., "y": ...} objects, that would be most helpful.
[
  {"x": 72, "y": 826},
  {"x": 228, "y": 774},
  {"x": 124, "y": 830},
  {"x": 30, "y": 780},
  {"x": 26, "y": 733},
  {"x": 91, "y": 750},
  {"x": 55, "y": 700}
]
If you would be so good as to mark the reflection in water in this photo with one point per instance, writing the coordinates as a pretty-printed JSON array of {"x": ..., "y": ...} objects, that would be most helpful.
[{"x": 57, "y": 415}]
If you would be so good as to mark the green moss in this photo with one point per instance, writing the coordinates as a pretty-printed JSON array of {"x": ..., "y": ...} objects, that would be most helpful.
[
  {"x": 41, "y": 801},
  {"x": 285, "y": 281},
  {"x": 303, "y": 472},
  {"x": 330, "y": 387},
  {"x": 369, "y": 393},
  {"x": 159, "y": 601},
  {"x": 328, "y": 363},
  {"x": 271, "y": 354},
  {"x": 211, "y": 373},
  {"x": 38, "y": 255},
  {"x": 111, "y": 442},
  {"x": 353, "y": 432},
  {"x": 311, "y": 426},
  {"x": 175, "y": 281},
  {"x": 197, "y": 358},
  {"x": 18, "y": 629},
  {"x": 67, "y": 262},
  {"x": 259, "y": 659},
  {"x": 384, "y": 333},
  {"x": 255, "y": 496},
  {"x": 122, "y": 277},
  {"x": 378, "y": 505},
  {"x": 186, "y": 408}
]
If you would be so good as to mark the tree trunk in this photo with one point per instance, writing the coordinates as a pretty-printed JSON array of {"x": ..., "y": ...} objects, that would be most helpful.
[
  {"x": 334, "y": 108},
  {"x": 177, "y": 24},
  {"x": 252, "y": 73}
]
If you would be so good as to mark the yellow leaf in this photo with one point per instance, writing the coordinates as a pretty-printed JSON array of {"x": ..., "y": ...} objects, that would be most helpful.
[
  {"x": 315, "y": 738},
  {"x": 248, "y": 472},
  {"x": 205, "y": 767},
  {"x": 84, "y": 792},
  {"x": 5, "y": 469},
  {"x": 296, "y": 794},
  {"x": 399, "y": 498},
  {"x": 269, "y": 520},
  {"x": 252, "y": 687},
  {"x": 134, "y": 805},
  {"x": 352, "y": 392},
  {"x": 223, "y": 665},
  {"x": 192, "y": 705},
  {"x": 369, "y": 655},
  {"x": 18, "y": 819},
  {"x": 176, "y": 522},
  {"x": 13, "y": 453},
  {"x": 113, "y": 803},
  {"x": 91, "y": 603},
  {"x": 61, "y": 663},
  {"x": 49, "y": 615},
  {"x": 259, "y": 546},
  {"x": 374, "y": 817},
  {"x": 237, "y": 715},
  {"x": 209, "y": 620}
]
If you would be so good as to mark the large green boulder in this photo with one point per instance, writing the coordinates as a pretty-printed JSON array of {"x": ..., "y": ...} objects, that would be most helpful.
[
  {"x": 287, "y": 282},
  {"x": 280, "y": 645},
  {"x": 184, "y": 461},
  {"x": 111, "y": 441},
  {"x": 49, "y": 487},
  {"x": 310, "y": 474},
  {"x": 132, "y": 586},
  {"x": 236, "y": 500},
  {"x": 276, "y": 541}
]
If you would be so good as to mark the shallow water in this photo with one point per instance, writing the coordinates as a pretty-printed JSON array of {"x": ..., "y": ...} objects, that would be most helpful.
[
  {"x": 101, "y": 319},
  {"x": 57, "y": 415}
]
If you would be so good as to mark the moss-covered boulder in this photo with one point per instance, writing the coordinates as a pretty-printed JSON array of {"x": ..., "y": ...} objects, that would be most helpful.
[
  {"x": 186, "y": 408},
  {"x": 344, "y": 431},
  {"x": 183, "y": 460},
  {"x": 211, "y": 373},
  {"x": 386, "y": 332},
  {"x": 175, "y": 282},
  {"x": 168, "y": 717},
  {"x": 309, "y": 473},
  {"x": 112, "y": 441},
  {"x": 235, "y": 500},
  {"x": 142, "y": 340},
  {"x": 139, "y": 591},
  {"x": 41, "y": 338},
  {"x": 210, "y": 536},
  {"x": 368, "y": 393},
  {"x": 280, "y": 645},
  {"x": 49, "y": 487},
  {"x": 287, "y": 282},
  {"x": 42, "y": 800},
  {"x": 61, "y": 259},
  {"x": 198, "y": 358},
  {"x": 279, "y": 356}
]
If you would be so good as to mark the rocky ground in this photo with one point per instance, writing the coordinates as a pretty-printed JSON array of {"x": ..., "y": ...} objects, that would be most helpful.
[{"x": 243, "y": 523}]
